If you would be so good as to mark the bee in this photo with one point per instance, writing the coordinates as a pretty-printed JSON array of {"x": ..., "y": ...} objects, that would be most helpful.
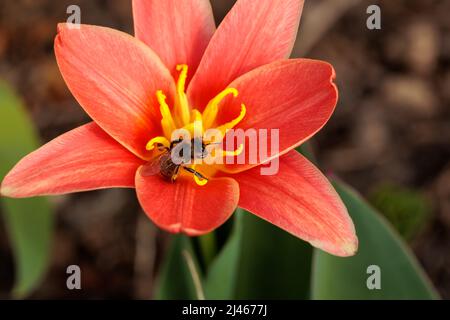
[{"x": 163, "y": 164}]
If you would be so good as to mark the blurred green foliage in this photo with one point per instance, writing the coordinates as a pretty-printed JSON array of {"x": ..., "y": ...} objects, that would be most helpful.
[
  {"x": 408, "y": 211},
  {"x": 176, "y": 280},
  {"x": 29, "y": 222},
  {"x": 261, "y": 261},
  {"x": 401, "y": 277}
]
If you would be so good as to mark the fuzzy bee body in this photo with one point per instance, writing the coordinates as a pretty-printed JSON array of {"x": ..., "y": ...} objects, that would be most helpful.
[
  {"x": 163, "y": 163},
  {"x": 167, "y": 168}
]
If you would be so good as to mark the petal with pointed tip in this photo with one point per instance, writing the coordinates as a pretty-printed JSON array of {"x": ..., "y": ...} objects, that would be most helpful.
[
  {"x": 178, "y": 31},
  {"x": 115, "y": 78},
  {"x": 296, "y": 97},
  {"x": 252, "y": 34},
  {"x": 85, "y": 158},
  {"x": 300, "y": 200}
]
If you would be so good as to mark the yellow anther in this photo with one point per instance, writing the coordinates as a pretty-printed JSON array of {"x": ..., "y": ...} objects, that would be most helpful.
[
  {"x": 229, "y": 125},
  {"x": 210, "y": 112},
  {"x": 182, "y": 78},
  {"x": 198, "y": 180},
  {"x": 182, "y": 101},
  {"x": 167, "y": 123},
  {"x": 236, "y": 152},
  {"x": 196, "y": 115},
  {"x": 157, "y": 140}
]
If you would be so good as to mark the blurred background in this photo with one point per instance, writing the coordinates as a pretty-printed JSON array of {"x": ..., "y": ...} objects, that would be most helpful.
[{"x": 389, "y": 137}]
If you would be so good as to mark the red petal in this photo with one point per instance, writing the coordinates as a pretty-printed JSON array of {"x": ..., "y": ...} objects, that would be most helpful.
[
  {"x": 178, "y": 31},
  {"x": 185, "y": 207},
  {"x": 300, "y": 200},
  {"x": 253, "y": 33},
  {"x": 295, "y": 96},
  {"x": 114, "y": 77},
  {"x": 85, "y": 158}
]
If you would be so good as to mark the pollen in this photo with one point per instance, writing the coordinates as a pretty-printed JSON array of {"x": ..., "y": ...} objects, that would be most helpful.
[{"x": 181, "y": 115}]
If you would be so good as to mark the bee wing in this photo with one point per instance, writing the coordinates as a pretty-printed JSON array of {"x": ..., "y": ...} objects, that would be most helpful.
[{"x": 153, "y": 166}]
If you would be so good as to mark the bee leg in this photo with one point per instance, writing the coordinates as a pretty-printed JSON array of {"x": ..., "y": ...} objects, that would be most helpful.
[
  {"x": 161, "y": 147},
  {"x": 198, "y": 174},
  {"x": 174, "y": 142},
  {"x": 175, "y": 174}
]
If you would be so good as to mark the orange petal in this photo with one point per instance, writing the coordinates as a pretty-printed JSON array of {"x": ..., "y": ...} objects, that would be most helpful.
[
  {"x": 183, "y": 206},
  {"x": 178, "y": 31},
  {"x": 300, "y": 200},
  {"x": 253, "y": 33},
  {"x": 296, "y": 96},
  {"x": 85, "y": 158},
  {"x": 114, "y": 77}
]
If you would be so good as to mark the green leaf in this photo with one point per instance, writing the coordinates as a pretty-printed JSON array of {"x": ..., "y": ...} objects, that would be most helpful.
[
  {"x": 407, "y": 210},
  {"x": 346, "y": 278},
  {"x": 180, "y": 277},
  {"x": 222, "y": 275},
  {"x": 260, "y": 261},
  {"x": 28, "y": 222}
]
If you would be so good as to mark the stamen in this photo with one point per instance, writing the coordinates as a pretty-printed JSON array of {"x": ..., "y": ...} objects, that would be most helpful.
[
  {"x": 210, "y": 112},
  {"x": 167, "y": 123},
  {"x": 199, "y": 181},
  {"x": 236, "y": 152},
  {"x": 182, "y": 101},
  {"x": 196, "y": 115},
  {"x": 229, "y": 125},
  {"x": 157, "y": 140},
  {"x": 195, "y": 122}
]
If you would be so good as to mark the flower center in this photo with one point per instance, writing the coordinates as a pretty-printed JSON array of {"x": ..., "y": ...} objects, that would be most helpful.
[{"x": 182, "y": 116}]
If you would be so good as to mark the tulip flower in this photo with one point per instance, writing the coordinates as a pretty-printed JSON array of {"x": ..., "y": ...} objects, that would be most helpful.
[{"x": 177, "y": 70}]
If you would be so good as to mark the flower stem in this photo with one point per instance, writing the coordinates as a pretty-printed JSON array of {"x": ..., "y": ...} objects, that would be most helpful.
[
  {"x": 208, "y": 247},
  {"x": 194, "y": 274}
]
